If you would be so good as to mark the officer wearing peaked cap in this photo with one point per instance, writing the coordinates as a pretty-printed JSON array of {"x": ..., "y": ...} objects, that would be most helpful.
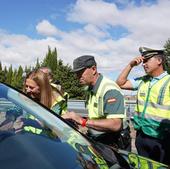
[
  {"x": 152, "y": 113},
  {"x": 147, "y": 52}
]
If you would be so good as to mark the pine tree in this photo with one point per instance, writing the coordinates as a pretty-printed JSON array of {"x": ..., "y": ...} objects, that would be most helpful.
[
  {"x": 37, "y": 64},
  {"x": 27, "y": 69},
  {"x": 51, "y": 59},
  {"x": 2, "y": 78},
  {"x": 167, "y": 53},
  {"x": 5, "y": 73},
  {"x": 9, "y": 75},
  {"x": 19, "y": 78},
  {"x": 14, "y": 78},
  {"x": 0, "y": 66},
  {"x": 68, "y": 81},
  {"x": 61, "y": 72}
]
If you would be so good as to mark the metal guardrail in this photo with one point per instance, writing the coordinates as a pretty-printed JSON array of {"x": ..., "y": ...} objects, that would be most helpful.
[
  {"x": 78, "y": 106},
  {"x": 5, "y": 105}
]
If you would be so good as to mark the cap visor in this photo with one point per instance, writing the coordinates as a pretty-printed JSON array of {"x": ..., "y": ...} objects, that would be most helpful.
[
  {"x": 77, "y": 70},
  {"x": 148, "y": 57}
]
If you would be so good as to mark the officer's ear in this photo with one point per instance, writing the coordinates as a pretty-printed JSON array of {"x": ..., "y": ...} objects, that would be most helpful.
[
  {"x": 94, "y": 69},
  {"x": 160, "y": 61}
]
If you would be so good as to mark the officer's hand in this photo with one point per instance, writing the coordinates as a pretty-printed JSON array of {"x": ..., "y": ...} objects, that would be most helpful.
[
  {"x": 136, "y": 61},
  {"x": 72, "y": 115},
  {"x": 67, "y": 115}
]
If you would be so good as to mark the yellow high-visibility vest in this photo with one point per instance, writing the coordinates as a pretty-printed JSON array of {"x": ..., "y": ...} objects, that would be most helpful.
[
  {"x": 95, "y": 103},
  {"x": 152, "y": 111}
]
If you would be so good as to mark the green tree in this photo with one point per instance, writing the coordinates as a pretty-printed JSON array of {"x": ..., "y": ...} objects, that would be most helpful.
[
  {"x": 19, "y": 78},
  {"x": 0, "y": 66},
  {"x": 60, "y": 71},
  {"x": 2, "y": 75},
  {"x": 27, "y": 70},
  {"x": 14, "y": 78},
  {"x": 9, "y": 75},
  {"x": 37, "y": 64},
  {"x": 68, "y": 81},
  {"x": 63, "y": 74},
  {"x": 167, "y": 53},
  {"x": 51, "y": 59},
  {"x": 5, "y": 73}
]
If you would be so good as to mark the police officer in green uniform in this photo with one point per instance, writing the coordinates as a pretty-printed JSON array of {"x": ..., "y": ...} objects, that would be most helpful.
[
  {"x": 152, "y": 113},
  {"x": 106, "y": 120}
]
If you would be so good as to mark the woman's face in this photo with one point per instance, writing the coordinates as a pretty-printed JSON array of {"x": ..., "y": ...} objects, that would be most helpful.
[{"x": 32, "y": 89}]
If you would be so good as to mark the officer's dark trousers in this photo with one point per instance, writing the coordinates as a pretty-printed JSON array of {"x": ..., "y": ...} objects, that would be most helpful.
[
  {"x": 113, "y": 139},
  {"x": 153, "y": 148}
]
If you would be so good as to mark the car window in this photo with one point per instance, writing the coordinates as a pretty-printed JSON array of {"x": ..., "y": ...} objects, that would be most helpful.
[
  {"x": 19, "y": 115},
  {"x": 33, "y": 130}
]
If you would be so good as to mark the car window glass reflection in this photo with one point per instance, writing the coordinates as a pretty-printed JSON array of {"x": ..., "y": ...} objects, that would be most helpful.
[{"x": 21, "y": 117}]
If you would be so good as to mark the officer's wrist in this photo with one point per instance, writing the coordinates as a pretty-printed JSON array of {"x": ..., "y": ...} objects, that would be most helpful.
[
  {"x": 90, "y": 123},
  {"x": 131, "y": 65},
  {"x": 83, "y": 122}
]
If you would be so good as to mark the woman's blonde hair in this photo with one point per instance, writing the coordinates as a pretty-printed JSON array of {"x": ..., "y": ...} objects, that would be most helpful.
[{"x": 45, "y": 88}]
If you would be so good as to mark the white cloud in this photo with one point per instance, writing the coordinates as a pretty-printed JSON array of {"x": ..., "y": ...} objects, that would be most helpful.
[
  {"x": 21, "y": 50},
  {"x": 47, "y": 29},
  {"x": 148, "y": 26},
  {"x": 95, "y": 12},
  {"x": 95, "y": 31}
]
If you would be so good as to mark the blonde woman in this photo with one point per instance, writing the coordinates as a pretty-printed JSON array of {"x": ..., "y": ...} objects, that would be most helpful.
[{"x": 38, "y": 87}]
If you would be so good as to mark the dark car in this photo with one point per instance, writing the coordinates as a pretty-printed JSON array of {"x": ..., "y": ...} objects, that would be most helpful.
[{"x": 31, "y": 136}]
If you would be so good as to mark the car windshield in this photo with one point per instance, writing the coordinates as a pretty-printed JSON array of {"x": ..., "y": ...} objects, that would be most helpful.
[
  {"x": 19, "y": 114},
  {"x": 32, "y": 136}
]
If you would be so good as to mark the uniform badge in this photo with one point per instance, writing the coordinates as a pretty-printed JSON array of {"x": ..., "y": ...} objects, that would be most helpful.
[
  {"x": 142, "y": 94},
  {"x": 111, "y": 100}
]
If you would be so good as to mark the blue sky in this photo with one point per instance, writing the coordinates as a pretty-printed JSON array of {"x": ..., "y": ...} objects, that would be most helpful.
[
  {"x": 111, "y": 30},
  {"x": 21, "y": 16}
]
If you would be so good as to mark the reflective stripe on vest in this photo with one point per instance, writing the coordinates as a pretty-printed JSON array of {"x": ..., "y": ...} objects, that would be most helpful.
[
  {"x": 165, "y": 113},
  {"x": 62, "y": 103},
  {"x": 32, "y": 129}
]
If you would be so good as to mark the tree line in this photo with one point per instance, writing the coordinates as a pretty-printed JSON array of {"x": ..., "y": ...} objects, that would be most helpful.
[{"x": 62, "y": 73}]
